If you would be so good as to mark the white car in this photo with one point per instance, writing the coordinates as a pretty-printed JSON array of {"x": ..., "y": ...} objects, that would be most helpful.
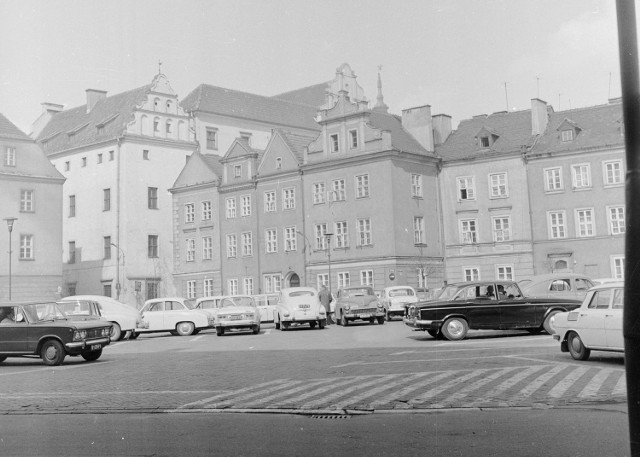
[
  {"x": 174, "y": 315},
  {"x": 595, "y": 326},
  {"x": 266, "y": 303},
  {"x": 125, "y": 319},
  {"x": 299, "y": 306},
  {"x": 209, "y": 304},
  {"x": 395, "y": 298},
  {"x": 237, "y": 312}
]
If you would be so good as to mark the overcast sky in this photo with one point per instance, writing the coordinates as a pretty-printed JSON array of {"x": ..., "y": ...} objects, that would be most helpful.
[{"x": 455, "y": 55}]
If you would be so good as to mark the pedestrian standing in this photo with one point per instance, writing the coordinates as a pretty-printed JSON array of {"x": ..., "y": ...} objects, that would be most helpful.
[{"x": 325, "y": 299}]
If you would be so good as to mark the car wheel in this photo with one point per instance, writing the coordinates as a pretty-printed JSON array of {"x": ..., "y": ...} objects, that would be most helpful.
[
  {"x": 381, "y": 320},
  {"x": 256, "y": 329},
  {"x": 276, "y": 321},
  {"x": 52, "y": 352},
  {"x": 455, "y": 328},
  {"x": 91, "y": 356},
  {"x": 116, "y": 331},
  {"x": 577, "y": 348},
  {"x": 173, "y": 332},
  {"x": 433, "y": 333},
  {"x": 185, "y": 328},
  {"x": 284, "y": 326},
  {"x": 547, "y": 322},
  {"x": 312, "y": 325},
  {"x": 372, "y": 320},
  {"x": 388, "y": 316},
  {"x": 220, "y": 331},
  {"x": 134, "y": 335},
  {"x": 343, "y": 321},
  {"x": 322, "y": 323}
]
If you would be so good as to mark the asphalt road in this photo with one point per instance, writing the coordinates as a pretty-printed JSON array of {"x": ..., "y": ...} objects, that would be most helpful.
[{"x": 494, "y": 391}]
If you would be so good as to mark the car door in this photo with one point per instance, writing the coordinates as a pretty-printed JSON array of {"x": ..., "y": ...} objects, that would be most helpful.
[
  {"x": 613, "y": 321},
  {"x": 155, "y": 315},
  {"x": 516, "y": 311},
  {"x": 482, "y": 306},
  {"x": 174, "y": 312},
  {"x": 590, "y": 324},
  {"x": 14, "y": 335}
]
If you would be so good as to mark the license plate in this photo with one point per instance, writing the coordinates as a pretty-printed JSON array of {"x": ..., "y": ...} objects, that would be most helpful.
[
  {"x": 95, "y": 347},
  {"x": 304, "y": 306},
  {"x": 364, "y": 316},
  {"x": 235, "y": 318}
]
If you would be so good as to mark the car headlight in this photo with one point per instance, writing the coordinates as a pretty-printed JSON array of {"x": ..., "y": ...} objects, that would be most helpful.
[
  {"x": 106, "y": 331},
  {"x": 347, "y": 307},
  {"x": 221, "y": 317},
  {"x": 79, "y": 335},
  {"x": 286, "y": 314},
  {"x": 552, "y": 321},
  {"x": 379, "y": 305},
  {"x": 248, "y": 316}
]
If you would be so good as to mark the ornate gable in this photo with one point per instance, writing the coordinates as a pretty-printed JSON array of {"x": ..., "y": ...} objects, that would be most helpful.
[
  {"x": 278, "y": 156},
  {"x": 239, "y": 162}
]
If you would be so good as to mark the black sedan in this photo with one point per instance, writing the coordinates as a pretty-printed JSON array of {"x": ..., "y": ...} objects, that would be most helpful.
[{"x": 497, "y": 305}]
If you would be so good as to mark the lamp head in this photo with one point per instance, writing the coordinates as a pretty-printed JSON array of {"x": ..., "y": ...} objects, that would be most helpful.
[{"x": 10, "y": 221}]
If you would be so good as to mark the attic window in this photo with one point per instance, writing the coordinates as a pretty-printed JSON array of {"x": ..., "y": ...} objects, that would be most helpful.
[
  {"x": 237, "y": 171},
  {"x": 567, "y": 135},
  {"x": 484, "y": 141},
  {"x": 279, "y": 163}
]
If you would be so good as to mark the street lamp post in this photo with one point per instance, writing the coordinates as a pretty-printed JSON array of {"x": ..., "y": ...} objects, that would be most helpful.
[
  {"x": 10, "y": 222},
  {"x": 118, "y": 270},
  {"x": 328, "y": 236}
]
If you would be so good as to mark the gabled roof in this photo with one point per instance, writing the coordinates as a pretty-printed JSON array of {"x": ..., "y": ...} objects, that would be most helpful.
[
  {"x": 312, "y": 95},
  {"x": 75, "y": 127},
  {"x": 239, "y": 148},
  {"x": 9, "y": 130},
  {"x": 233, "y": 103},
  {"x": 297, "y": 143},
  {"x": 512, "y": 128},
  {"x": 401, "y": 140},
  {"x": 199, "y": 169}
]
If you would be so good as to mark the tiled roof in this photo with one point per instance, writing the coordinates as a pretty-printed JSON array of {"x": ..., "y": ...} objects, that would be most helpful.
[
  {"x": 513, "y": 130},
  {"x": 401, "y": 140},
  {"x": 233, "y": 103},
  {"x": 199, "y": 169},
  {"x": 75, "y": 127},
  {"x": 600, "y": 126},
  {"x": 296, "y": 143},
  {"x": 9, "y": 130},
  {"x": 311, "y": 95},
  {"x": 213, "y": 162}
]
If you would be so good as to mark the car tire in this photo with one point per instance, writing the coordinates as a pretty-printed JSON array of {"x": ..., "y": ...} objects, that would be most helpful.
[
  {"x": 576, "y": 347},
  {"x": 381, "y": 320},
  {"x": 256, "y": 329},
  {"x": 116, "y": 331},
  {"x": 312, "y": 325},
  {"x": 344, "y": 321},
  {"x": 547, "y": 322},
  {"x": 322, "y": 323},
  {"x": 185, "y": 328},
  {"x": 455, "y": 328},
  {"x": 92, "y": 356},
  {"x": 276, "y": 321},
  {"x": 434, "y": 333},
  {"x": 134, "y": 335},
  {"x": 52, "y": 353},
  {"x": 219, "y": 331},
  {"x": 284, "y": 326}
]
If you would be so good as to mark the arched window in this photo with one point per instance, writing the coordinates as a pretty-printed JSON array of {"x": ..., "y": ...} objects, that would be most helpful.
[
  {"x": 168, "y": 106},
  {"x": 156, "y": 126},
  {"x": 560, "y": 265},
  {"x": 169, "y": 127},
  {"x": 156, "y": 104}
]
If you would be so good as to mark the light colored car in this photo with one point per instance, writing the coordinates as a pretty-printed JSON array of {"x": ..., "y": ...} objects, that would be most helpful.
[
  {"x": 237, "y": 312},
  {"x": 125, "y": 319},
  {"x": 358, "y": 303},
  {"x": 266, "y": 303},
  {"x": 395, "y": 298},
  {"x": 209, "y": 304},
  {"x": 595, "y": 326},
  {"x": 299, "y": 306},
  {"x": 174, "y": 315},
  {"x": 556, "y": 285}
]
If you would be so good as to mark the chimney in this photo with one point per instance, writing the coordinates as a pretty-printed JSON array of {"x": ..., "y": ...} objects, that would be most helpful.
[
  {"x": 94, "y": 96},
  {"x": 48, "y": 110},
  {"x": 441, "y": 128},
  {"x": 417, "y": 121},
  {"x": 539, "y": 116}
]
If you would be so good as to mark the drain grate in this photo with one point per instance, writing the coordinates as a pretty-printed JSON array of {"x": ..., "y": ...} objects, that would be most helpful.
[{"x": 330, "y": 416}]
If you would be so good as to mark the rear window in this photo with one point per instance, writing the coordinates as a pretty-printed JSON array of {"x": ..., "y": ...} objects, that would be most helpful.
[
  {"x": 302, "y": 293},
  {"x": 401, "y": 293}
]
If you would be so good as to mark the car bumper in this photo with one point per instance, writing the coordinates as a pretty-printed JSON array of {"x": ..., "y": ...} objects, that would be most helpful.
[
  {"x": 418, "y": 324},
  {"x": 245, "y": 323},
  {"x": 363, "y": 314},
  {"x": 78, "y": 346}
]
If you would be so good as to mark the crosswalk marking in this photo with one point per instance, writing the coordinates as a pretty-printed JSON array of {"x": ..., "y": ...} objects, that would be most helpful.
[
  {"x": 347, "y": 391},
  {"x": 560, "y": 388},
  {"x": 539, "y": 382},
  {"x": 441, "y": 388},
  {"x": 402, "y": 393},
  {"x": 595, "y": 384},
  {"x": 621, "y": 386},
  {"x": 461, "y": 393},
  {"x": 508, "y": 383}
]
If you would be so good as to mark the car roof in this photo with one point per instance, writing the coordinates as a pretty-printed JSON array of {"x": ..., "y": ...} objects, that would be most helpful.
[
  {"x": 608, "y": 285},
  {"x": 546, "y": 276},
  {"x": 289, "y": 289},
  {"x": 400, "y": 287}
]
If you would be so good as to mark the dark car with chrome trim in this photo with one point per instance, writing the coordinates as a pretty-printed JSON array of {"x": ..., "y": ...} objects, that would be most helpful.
[
  {"x": 485, "y": 305},
  {"x": 45, "y": 330}
]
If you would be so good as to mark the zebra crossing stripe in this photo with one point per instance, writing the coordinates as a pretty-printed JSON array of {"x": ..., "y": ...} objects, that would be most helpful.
[
  {"x": 538, "y": 382},
  {"x": 304, "y": 387},
  {"x": 459, "y": 394},
  {"x": 443, "y": 387},
  {"x": 402, "y": 393},
  {"x": 621, "y": 386},
  {"x": 560, "y": 388},
  {"x": 595, "y": 384},
  {"x": 343, "y": 392},
  {"x": 507, "y": 383},
  {"x": 277, "y": 382}
]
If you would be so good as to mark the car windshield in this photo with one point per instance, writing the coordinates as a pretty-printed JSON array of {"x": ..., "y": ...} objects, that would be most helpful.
[
  {"x": 359, "y": 292},
  {"x": 302, "y": 293},
  {"x": 237, "y": 301},
  {"x": 78, "y": 308},
  {"x": 448, "y": 292},
  {"x": 208, "y": 304},
  {"x": 401, "y": 293},
  {"x": 40, "y": 312}
]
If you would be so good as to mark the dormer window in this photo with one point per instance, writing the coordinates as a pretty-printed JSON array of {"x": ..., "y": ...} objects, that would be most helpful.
[
  {"x": 278, "y": 163},
  {"x": 237, "y": 171},
  {"x": 484, "y": 141},
  {"x": 567, "y": 135},
  {"x": 486, "y": 137},
  {"x": 569, "y": 130}
]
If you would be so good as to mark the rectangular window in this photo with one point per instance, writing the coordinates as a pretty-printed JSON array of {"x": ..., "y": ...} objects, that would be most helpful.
[
  {"x": 466, "y": 188},
  {"x": 567, "y": 135},
  {"x": 245, "y": 202},
  {"x": 152, "y": 246},
  {"x": 10, "y": 156},
  {"x": 233, "y": 286},
  {"x": 322, "y": 280},
  {"x": 616, "y": 220},
  {"x": 111, "y": 155},
  {"x": 418, "y": 230},
  {"x": 191, "y": 284},
  {"x": 362, "y": 186},
  {"x": 206, "y": 211},
  {"x": 581, "y": 176},
  {"x": 26, "y": 247},
  {"x": 501, "y": 228},
  {"x": 556, "y": 222},
  {"x": 106, "y": 199},
  {"x": 207, "y": 289},
  {"x": 67, "y": 166},
  {"x": 207, "y": 248},
  {"x": 468, "y": 231},
  {"x": 344, "y": 279},
  {"x": 553, "y": 179},
  {"x": 107, "y": 247},
  {"x": 247, "y": 244},
  {"x": 191, "y": 249},
  {"x": 152, "y": 197},
  {"x": 321, "y": 239},
  {"x": 247, "y": 285},
  {"x": 152, "y": 288},
  {"x": 334, "y": 143},
  {"x": 585, "y": 224},
  {"x": 289, "y": 198},
  {"x": 100, "y": 158},
  {"x": 72, "y": 206},
  {"x": 471, "y": 273},
  {"x": 237, "y": 171},
  {"x": 84, "y": 162},
  {"x": 271, "y": 240},
  {"x": 106, "y": 289},
  {"x": 498, "y": 185},
  {"x": 230, "y": 205},
  {"x": 290, "y": 239},
  {"x": 364, "y": 232},
  {"x": 617, "y": 266},
  {"x": 342, "y": 235},
  {"x": 189, "y": 213},
  {"x": 353, "y": 136},
  {"x": 484, "y": 141},
  {"x": 270, "y": 201},
  {"x": 366, "y": 278},
  {"x": 72, "y": 252},
  {"x": 612, "y": 172},
  {"x": 271, "y": 283},
  {"x": 212, "y": 138},
  {"x": 232, "y": 246},
  {"x": 416, "y": 186},
  {"x": 319, "y": 195},
  {"x": 339, "y": 193},
  {"x": 27, "y": 201},
  {"x": 504, "y": 272}
]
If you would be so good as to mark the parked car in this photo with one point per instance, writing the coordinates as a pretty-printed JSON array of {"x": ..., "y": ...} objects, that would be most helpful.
[
  {"x": 266, "y": 303},
  {"x": 237, "y": 312},
  {"x": 358, "y": 303},
  {"x": 174, "y": 315},
  {"x": 595, "y": 326},
  {"x": 208, "y": 304},
  {"x": 125, "y": 319},
  {"x": 43, "y": 330},
  {"x": 557, "y": 285},
  {"x": 498, "y": 305},
  {"x": 299, "y": 306},
  {"x": 423, "y": 293},
  {"x": 394, "y": 299}
]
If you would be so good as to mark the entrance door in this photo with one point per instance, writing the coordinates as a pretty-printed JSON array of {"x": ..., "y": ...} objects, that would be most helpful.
[{"x": 294, "y": 280}]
